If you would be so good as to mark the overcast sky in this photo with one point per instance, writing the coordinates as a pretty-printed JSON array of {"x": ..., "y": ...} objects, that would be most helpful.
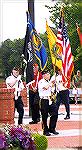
[{"x": 13, "y": 18}]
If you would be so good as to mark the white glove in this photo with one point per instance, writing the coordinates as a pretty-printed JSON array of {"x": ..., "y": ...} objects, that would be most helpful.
[{"x": 19, "y": 78}]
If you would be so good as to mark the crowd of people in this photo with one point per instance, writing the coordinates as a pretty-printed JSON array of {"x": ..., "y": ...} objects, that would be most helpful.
[{"x": 40, "y": 99}]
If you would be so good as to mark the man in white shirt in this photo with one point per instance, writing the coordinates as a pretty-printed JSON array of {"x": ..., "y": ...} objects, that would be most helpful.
[
  {"x": 62, "y": 94},
  {"x": 47, "y": 106},
  {"x": 14, "y": 81}
]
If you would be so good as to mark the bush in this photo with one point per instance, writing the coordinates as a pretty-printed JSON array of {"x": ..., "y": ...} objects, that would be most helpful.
[{"x": 41, "y": 141}]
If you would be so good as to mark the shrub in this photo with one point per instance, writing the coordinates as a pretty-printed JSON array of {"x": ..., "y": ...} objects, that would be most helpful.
[{"x": 41, "y": 141}]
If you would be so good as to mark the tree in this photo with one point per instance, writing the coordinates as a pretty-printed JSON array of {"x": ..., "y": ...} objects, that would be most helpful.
[
  {"x": 5, "y": 54},
  {"x": 70, "y": 1},
  {"x": 10, "y": 55},
  {"x": 15, "y": 57},
  {"x": 78, "y": 58},
  {"x": 73, "y": 15},
  {"x": 11, "y": 51}
]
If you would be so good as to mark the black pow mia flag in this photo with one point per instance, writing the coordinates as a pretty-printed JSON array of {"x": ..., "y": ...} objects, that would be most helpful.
[
  {"x": 28, "y": 49},
  {"x": 28, "y": 55},
  {"x": 30, "y": 52}
]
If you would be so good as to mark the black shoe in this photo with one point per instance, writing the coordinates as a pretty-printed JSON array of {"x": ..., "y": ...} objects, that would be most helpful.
[
  {"x": 46, "y": 133},
  {"x": 33, "y": 122},
  {"x": 53, "y": 131},
  {"x": 67, "y": 117}
]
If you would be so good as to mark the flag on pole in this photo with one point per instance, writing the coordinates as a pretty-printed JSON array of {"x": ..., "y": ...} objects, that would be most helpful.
[
  {"x": 79, "y": 33},
  {"x": 56, "y": 58},
  {"x": 28, "y": 55},
  {"x": 67, "y": 58},
  {"x": 38, "y": 47}
]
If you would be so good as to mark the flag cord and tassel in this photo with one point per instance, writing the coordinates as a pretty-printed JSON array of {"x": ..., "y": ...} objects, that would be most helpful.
[{"x": 53, "y": 94}]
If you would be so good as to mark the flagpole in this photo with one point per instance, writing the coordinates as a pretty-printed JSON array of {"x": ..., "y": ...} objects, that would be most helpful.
[
  {"x": 31, "y": 10},
  {"x": 61, "y": 14},
  {"x": 55, "y": 74}
]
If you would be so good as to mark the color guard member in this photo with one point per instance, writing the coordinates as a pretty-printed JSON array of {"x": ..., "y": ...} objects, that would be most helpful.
[
  {"x": 14, "y": 81},
  {"x": 47, "y": 106},
  {"x": 62, "y": 94}
]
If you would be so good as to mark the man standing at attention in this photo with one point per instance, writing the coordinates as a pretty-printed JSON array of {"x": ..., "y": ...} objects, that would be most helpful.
[
  {"x": 47, "y": 106},
  {"x": 14, "y": 81}
]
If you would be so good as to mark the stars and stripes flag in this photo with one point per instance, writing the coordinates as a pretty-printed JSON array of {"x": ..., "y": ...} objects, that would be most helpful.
[{"x": 67, "y": 58}]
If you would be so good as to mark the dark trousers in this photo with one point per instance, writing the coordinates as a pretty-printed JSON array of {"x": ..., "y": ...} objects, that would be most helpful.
[
  {"x": 63, "y": 97},
  {"x": 52, "y": 110},
  {"x": 34, "y": 105},
  {"x": 19, "y": 105}
]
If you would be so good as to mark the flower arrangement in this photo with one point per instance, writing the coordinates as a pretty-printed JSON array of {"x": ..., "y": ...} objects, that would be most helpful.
[
  {"x": 20, "y": 138},
  {"x": 12, "y": 137}
]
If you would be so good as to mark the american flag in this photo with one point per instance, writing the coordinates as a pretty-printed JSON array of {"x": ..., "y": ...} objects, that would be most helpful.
[{"x": 67, "y": 58}]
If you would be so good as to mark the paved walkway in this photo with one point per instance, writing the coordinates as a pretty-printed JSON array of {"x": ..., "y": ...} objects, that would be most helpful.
[{"x": 70, "y": 131}]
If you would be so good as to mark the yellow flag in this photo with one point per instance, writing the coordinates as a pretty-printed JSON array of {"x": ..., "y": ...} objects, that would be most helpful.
[{"x": 52, "y": 43}]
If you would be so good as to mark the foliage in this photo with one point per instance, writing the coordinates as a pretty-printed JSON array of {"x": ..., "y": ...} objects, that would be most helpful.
[
  {"x": 11, "y": 51},
  {"x": 16, "y": 138},
  {"x": 5, "y": 54},
  {"x": 20, "y": 138},
  {"x": 70, "y": 1},
  {"x": 78, "y": 58},
  {"x": 40, "y": 141},
  {"x": 73, "y": 15},
  {"x": 10, "y": 55}
]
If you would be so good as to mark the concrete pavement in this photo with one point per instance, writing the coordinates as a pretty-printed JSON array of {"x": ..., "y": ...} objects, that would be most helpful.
[{"x": 70, "y": 131}]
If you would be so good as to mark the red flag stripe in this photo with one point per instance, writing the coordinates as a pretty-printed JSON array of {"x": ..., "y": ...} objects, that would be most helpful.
[{"x": 67, "y": 59}]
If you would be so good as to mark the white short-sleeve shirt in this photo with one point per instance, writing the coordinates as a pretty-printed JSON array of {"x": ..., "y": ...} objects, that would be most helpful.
[
  {"x": 42, "y": 92},
  {"x": 12, "y": 79},
  {"x": 59, "y": 83}
]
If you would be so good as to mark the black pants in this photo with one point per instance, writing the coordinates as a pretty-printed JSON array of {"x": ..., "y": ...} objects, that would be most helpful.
[
  {"x": 52, "y": 110},
  {"x": 34, "y": 105},
  {"x": 19, "y": 105},
  {"x": 63, "y": 97}
]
